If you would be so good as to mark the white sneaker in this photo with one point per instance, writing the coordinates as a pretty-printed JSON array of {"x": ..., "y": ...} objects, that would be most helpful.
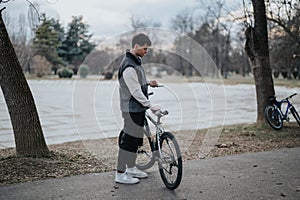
[
  {"x": 135, "y": 172},
  {"x": 125, "y": 178}
]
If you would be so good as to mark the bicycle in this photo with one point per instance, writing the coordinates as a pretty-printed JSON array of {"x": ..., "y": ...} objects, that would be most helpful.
[
  {"x": 274, "y": 114},
  {"x": 163, "y": 148}
]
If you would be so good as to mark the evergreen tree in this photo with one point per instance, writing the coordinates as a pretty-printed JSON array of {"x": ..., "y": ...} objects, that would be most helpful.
[
  {"x": 48, "y": 37},
  {"x": 77, "y": 44}
]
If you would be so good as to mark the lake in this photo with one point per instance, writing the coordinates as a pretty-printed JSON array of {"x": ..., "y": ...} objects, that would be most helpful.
[{"x": 72, "y": 110}]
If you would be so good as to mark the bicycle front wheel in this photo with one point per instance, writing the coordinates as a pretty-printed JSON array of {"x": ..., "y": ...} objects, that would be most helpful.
[
  {"x": 170, "y": 164},
  {"x": 145, "y": 154},
  {"x": 295, "y": 114},
  {"x": 273, "y": 117}
]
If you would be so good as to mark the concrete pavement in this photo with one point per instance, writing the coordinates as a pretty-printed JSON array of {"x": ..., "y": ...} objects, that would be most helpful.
[{"x": 264, "y": 175}]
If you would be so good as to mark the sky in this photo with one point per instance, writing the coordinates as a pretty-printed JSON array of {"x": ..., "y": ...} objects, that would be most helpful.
[{"x": 109, "y": 17}]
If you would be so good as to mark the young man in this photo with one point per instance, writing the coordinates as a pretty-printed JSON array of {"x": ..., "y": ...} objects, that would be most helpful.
[{"x": 133, "y": 88}]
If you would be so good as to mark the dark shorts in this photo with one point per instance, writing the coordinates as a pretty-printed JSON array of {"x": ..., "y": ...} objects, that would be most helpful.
[
  {"x": 134, "y": 123},
  {"x": 132, "y": 134}
]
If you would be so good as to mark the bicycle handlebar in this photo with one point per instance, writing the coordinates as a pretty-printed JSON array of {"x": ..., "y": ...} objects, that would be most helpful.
[
  {"x": 151, "y": 93},
  {"x": 273, "y": 97},
  {"x": 155, "y": 86},
  {"x": 289, "y": 97},
  {"x": 293, "y": 95}
]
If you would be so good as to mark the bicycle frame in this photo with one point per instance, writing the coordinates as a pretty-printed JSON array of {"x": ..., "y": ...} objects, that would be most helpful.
[
  {"x": 278, "y": 104},
  {"x": 159, "y": 130},
  {"x": 163, "y": 149}
]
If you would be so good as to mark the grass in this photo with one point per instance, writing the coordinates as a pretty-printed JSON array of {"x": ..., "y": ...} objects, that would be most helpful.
[{"x": 94, "y": 156}]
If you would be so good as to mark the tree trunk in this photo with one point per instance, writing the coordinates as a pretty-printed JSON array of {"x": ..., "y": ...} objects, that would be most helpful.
[
  {"x": 261, "y": 64},
  {"x": 29, "y": 138}
]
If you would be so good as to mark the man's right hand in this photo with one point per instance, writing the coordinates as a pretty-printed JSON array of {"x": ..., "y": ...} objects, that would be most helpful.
[{"x": 155, "y": 108}]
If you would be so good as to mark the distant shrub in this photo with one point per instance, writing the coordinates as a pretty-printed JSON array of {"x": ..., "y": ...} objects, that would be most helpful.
[
  {"x": 284, "y": 73},
  {"x": 83, "y": 71},
  {"x": 295, "y": 74},
  {"x": 41, "y": 66},
  {"x": 65, "y": 72},
  {"x": 276, "y": 74},
  {"x": 108, "y": 75}
]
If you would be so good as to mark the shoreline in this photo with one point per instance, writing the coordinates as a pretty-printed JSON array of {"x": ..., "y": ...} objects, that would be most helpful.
[{"x": 231, "y": 80}]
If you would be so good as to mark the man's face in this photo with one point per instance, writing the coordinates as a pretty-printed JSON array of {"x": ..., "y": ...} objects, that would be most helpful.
[{"x": 141, "y": 50}]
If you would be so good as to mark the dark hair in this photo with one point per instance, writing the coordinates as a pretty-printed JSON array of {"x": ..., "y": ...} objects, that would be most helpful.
[{"x": 141, "y": 39}]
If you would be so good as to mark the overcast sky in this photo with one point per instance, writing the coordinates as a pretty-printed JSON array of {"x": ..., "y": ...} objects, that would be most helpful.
[{"x": 109, "y": 17}]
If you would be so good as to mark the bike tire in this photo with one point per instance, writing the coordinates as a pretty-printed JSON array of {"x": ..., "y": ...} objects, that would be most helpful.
[
  {"x": 295, "y": 114},
  {"x": 273, "y": 117},
  {"x": 145, "y": 154},
  {"x": 170, "y": 165}
]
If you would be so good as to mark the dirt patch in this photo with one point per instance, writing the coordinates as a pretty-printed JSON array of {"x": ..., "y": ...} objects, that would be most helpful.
[{"x": 94, "y": 156}]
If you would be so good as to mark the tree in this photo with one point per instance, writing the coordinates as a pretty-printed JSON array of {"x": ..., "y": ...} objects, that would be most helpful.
[
  {"x": 26, "y": 125},
  {"x": 184, "y": 24},
  {"x": 284, "y": 18},
  {"x": 137, "y": 23},
  {"x": 219, "y": 26},
  {"x": 283, "y": 61},
  {"x": 257, "y": 49},
  {"x": 48, "y": 36},
  {"x": 285, "y": 14},
  {"x": 76, "y": 45}
]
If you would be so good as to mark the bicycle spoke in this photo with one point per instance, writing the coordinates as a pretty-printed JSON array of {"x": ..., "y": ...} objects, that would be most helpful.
[{"x": 169, "y": 158}]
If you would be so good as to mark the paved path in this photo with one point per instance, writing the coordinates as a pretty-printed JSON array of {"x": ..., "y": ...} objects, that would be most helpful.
[{"x": 264, "y": 175}]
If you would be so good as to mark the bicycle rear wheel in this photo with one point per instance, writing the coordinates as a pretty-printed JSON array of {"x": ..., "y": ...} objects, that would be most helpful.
[
  {"x": 170, "y": 165},
  {"x": 295, "y": 114},
  {"x": 145, "y": 154},
  {"x": 273, "y": 117}
]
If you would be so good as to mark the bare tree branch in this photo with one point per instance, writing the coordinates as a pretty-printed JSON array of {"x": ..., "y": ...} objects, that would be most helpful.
[
  {"x": 34, "y": 7},
  {"x": 4, "y": 1},
  {"x": 30, "y": 3},
  {"x": 285, "y": 28},
  {"x": 2, "y": 10}
]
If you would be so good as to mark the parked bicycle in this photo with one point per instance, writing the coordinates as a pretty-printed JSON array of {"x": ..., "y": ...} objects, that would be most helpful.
[
  {"x": 163, "y": 148},
  {"x": 274, "y": 114}
]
